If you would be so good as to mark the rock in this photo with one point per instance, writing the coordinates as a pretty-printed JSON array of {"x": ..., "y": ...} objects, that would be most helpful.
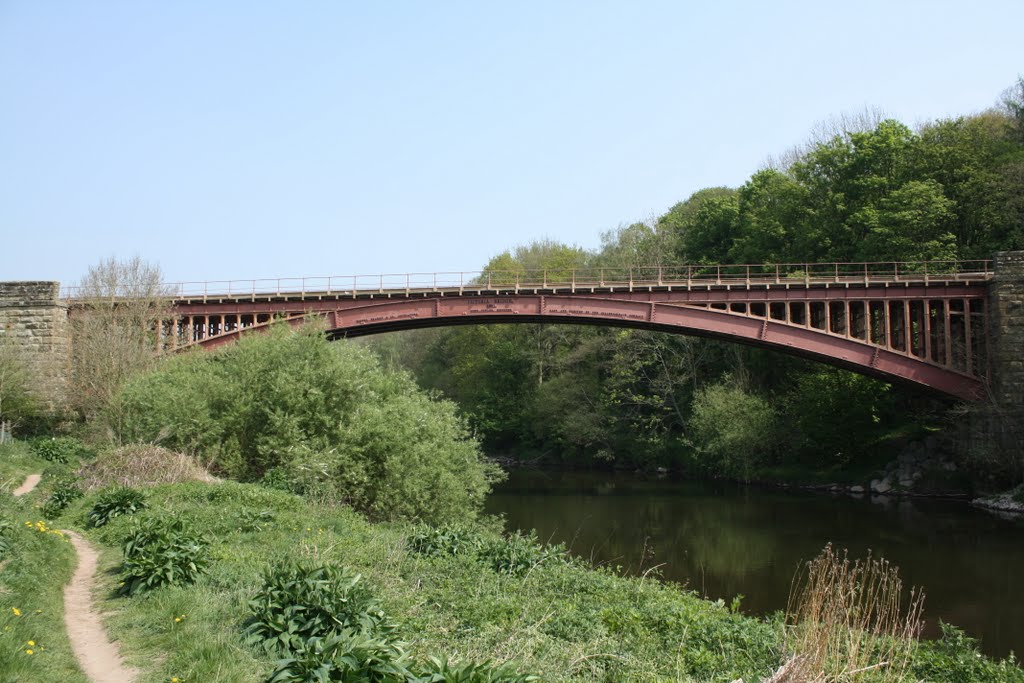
[
  {"x": 882, "y": 486},
  {"x": 856, "y": 489}
]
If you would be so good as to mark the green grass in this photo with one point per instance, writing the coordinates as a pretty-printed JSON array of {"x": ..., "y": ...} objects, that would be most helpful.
[
  {"x": 34, "y": 571},
  {"x": 560, "y": 619},
  {"x": 17, "y": 461}
]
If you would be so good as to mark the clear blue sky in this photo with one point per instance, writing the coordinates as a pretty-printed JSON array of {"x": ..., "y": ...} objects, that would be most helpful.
[{"x": 263, "y": 139}]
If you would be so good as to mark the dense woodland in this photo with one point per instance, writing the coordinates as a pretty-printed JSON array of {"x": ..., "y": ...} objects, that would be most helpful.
[{"x": 867, "y": 189}]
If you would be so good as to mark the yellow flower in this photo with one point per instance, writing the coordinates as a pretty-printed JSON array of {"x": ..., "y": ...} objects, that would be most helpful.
[
  {"x": 177, "y": 619},
  {"x": 175, "y": 680},
  {"x": 28, "y": 652},
  {"x": 17, "y": 612},
  {"x": 32, "y": 643}
]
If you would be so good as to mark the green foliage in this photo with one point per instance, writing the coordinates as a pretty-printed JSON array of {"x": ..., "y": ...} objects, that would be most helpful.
[
  {"x": 63, "y": 449},
  {"x": 437, "y": 670},
  {"x": 6, "y": 526},
  {"x": 300, "y": 601},
  {"x": 113, "y": 503},
  {"x": 954, "y": 658},
  {"x": 349, "y": 656},
  {"x": 161, "y": 551},
  {"x": 315, "y": 417},
  {"x": 733, "y": 429},
  {"x": 514, "y": 554},
  {"x": 65, "y": 491}
]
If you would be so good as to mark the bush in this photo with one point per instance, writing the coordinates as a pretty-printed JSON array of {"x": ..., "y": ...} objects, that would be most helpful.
[
  {"x": 65, "y": 491},
  {"x": 954, "y": 658},
  {"x": 114, "y": 503},
  {"x": 447, "y": 539},
  {"x": 299, "y": 601},
  {"x": 731, "y": 429},
  {"x": 161, "y": 552},
  {"x": 61, "y": 449},
  {"x": 315, "y": 416}
]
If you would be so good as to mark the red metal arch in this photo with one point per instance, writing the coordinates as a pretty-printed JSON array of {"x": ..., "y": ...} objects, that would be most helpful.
[{"x": 847, "y": 352}]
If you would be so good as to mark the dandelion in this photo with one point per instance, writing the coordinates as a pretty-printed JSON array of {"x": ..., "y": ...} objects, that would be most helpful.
[
  {"x": 17, "y": 612},
  {"x": 31, "y": 643},
  {"x": 177, "y": 620},
  {"x": 29, "y": 652}
]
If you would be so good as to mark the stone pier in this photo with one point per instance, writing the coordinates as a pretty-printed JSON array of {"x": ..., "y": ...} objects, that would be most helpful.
[
  {"x": 1006, "y": 353},
  {"x": 34, "y": 319}
]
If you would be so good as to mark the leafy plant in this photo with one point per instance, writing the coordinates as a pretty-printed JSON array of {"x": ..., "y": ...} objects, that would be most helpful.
[
  {"x": 348, "y": 656},
  {"x": 5, "y": 541},
  {"x": 300, "y": 601},
  {"x": 447, "y": 539},
  {"x": 255, "y": 520},
  {"x": 442, "y": 671},
  {"x": 114, "y": 503},
  {"x": 58, "y": 449},
  {"x": 517, "y": 554},
  {"x": 64, "y": 492},
  {"x": 161, "y": 552}
]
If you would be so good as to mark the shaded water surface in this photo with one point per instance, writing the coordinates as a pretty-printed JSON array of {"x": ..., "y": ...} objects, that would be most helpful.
[{"x": 723, "y": 540}]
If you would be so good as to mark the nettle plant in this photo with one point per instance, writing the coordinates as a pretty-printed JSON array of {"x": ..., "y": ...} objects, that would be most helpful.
[
  {"x": 114, "y": 503},
  {"x": 159, "y": 551},
  {"x": 60, "y": 449}
]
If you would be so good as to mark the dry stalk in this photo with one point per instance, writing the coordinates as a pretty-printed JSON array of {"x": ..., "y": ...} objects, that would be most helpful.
[{"x": 846, "y": 621}]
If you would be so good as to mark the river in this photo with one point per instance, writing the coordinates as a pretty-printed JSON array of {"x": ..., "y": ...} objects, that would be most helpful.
[{"x": 724, "y": 540}]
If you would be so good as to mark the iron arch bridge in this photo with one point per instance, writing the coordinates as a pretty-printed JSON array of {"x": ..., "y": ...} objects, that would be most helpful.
[{"x": 919, "y": 323}]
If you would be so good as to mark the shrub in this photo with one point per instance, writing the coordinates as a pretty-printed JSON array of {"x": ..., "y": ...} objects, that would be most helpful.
[
  {"x": 317, "y": 416},
  {"x": 731, "y": 429},
  {"x": 161, "y": 552},
  {"x": 64, "y": 492},
  {"x": 114, "y": 503},
  {"x": 61, "y": 449},
  {"x": 300, "y": 601}
]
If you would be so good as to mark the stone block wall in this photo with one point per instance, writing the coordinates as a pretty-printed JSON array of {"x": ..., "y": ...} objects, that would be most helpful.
[
  {"x": 995, "y": 429},
  {"x": 32, "y": 316}
]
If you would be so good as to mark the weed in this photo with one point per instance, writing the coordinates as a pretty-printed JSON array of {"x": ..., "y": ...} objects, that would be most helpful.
[
  {"x": 300, "y": 601},
  {"x": 161, "y": 552},
  {"x": 114, "y": 503},
  {"x": 65, "y": 491},
  {"x": 60, "y": 449}
]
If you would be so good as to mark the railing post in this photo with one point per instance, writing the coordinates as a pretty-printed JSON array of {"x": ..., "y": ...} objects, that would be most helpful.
[
  {"x": 407, "y": 284},
  {"x": 926, "y": 272},
  {"x": 488, "y": 280},
  {"x": 544, "y": 279},
  {"x": 718, "y": 275},
  {"x": 689, "y": 277},
  {"x": 381, "y": 284},
  {"x": 631, "y": 279},
  {"x": 573, "y": 275},
  {"x": 660, "y": 279},
  {"x": 777, "y": 280},
  {"x": 748, "y": 277},
  {"x": 896, "y": 271},
  {"x": 601, "y": 277},
  {"x": 837, "y": 272},
  {"x": 866, "y": 281}
]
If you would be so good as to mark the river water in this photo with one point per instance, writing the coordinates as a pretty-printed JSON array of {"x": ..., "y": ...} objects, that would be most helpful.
[{"x": 724, "y": 540}]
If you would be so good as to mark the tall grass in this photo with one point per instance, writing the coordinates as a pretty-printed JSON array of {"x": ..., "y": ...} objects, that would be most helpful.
[{"x": 850, "y": 621}]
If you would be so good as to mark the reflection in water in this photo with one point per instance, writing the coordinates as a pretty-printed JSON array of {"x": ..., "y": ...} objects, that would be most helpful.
[{"x": 724, "y": 540}]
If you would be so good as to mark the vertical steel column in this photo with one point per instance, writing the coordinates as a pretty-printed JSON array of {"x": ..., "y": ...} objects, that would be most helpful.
[
  {"x": 949, "y": 336},
  {"x": 909, "y": 347},
  {"x": 969, "y": 351},
  {"x": 927, "y": 307}
]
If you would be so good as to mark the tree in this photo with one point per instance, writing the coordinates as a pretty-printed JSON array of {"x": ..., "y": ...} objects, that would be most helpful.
[{"x": 116, "y": 328}]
